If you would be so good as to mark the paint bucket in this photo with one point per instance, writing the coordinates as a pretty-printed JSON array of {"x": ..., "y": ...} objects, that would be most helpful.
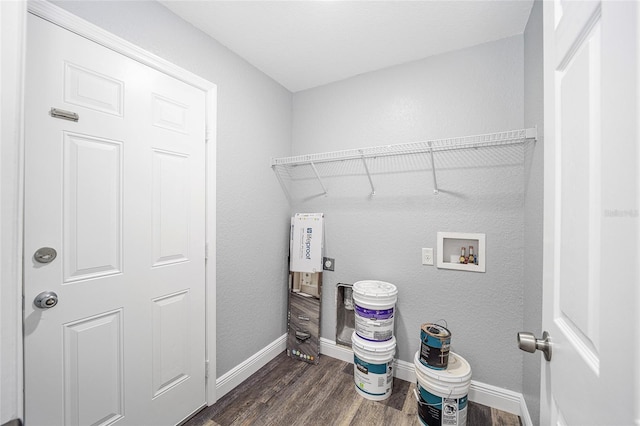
[
  {"x": 372, "y": 367},
  {"x": 442, "y": 394},
  {"x": 434, "y": 348},
  {"x": 374, "y": 303}
]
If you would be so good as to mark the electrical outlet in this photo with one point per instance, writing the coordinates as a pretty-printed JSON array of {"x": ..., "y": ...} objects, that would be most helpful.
[
  {"x": 427, "y": 256},
  {"x": 328, "y": 263}
]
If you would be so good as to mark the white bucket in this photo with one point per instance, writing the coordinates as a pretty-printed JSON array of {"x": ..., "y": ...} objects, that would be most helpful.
[
  {"x": 372, "y": 367},
  {"x": 442, "y": 394},
  {"x": 375, "y": 303}
]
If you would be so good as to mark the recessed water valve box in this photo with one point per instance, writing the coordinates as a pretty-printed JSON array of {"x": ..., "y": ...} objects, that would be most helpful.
[
  {"x": 462, "y": 251},
  {"x": 345, "y": 314}
]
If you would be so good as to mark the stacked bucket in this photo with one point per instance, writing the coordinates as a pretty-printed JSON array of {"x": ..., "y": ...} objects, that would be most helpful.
[
  {"x": 373, "y": 342},
  {"x": 443, "y": 379}
]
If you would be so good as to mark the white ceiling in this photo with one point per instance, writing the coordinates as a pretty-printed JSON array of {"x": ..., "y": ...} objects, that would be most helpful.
[{"x": 304, "y": 44}]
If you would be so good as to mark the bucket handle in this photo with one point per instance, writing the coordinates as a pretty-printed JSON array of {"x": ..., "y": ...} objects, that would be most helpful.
[
  {"x": 444, "y": 321},
  {"x": 415, "y": 392}
]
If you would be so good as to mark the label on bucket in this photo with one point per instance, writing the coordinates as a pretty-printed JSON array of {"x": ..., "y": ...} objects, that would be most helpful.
[
  {"x": 372, "y": 379},
  {"x": 434, "y": 350},
  {"x": 437, "y": 411},
  {"x": 372, "y": 324}
]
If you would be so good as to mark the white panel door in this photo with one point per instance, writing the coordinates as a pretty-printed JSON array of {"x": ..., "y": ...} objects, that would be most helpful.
[
  {"x": 119, "y": 195},
  {"x": 591, "y": 213}
]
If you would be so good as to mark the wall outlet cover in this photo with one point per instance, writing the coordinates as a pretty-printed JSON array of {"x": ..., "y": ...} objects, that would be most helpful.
[
  {"x": 328, "y": 263},
  {"x": 427, "y": 256}
]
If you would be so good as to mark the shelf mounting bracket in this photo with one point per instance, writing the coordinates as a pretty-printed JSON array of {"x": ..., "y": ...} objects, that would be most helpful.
[
  {"x": 313, "y": 166},
  {"x": 433, "y": 170},
  {"x": 366, "y": 168},
  {"x": 282, "y": 184}
]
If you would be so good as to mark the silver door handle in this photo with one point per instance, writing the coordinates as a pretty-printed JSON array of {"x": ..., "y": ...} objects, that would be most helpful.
[
  {"x": 46, "y": 300},
  {"x": 528, "y": 343}
]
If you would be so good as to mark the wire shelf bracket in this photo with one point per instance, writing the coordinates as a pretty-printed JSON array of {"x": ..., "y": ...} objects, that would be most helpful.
[
  {"x": 433, "y": 170},
  {"x": 366, "y": 168},
  {"x": 324, "y": 188}
]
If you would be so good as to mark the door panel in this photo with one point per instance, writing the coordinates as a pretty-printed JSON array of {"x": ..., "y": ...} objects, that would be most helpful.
[
  {"x": 120, "y": 195},
  {"x": 578, "y": 188},
  {"x": 591, "y": 162},
  {"x": 169, "y": 114},
  {"x": 170, "y": 208},
  {"x": 170, "y": 341},
  {"x": 92, "y": 207},
  {"x": 93, "y": 90},
  {"x": 93, "y": 350}
]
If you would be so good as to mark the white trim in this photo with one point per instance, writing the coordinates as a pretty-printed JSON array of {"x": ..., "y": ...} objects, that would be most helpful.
[
  {"x": 13, "y": 17},
  {"x": 332, "y": 349},
  {"x": 211, "y": 197},
  {"x": 73, "y": 23},
  {"x": 244, "y": 370},
  {"x": 493, "y": 396},
  {"x": 482, "y": 393},
  {"x": 525, "y": 417},
  {"x": 405, "y": 371}
]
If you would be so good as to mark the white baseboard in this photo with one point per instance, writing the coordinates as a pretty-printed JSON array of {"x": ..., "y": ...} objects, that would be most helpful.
[
  {"x": 524, "y": 413},
  {"x": 482, "y": 393},
  {"x": 493, "y": 396},
  {"x": 332, "y": 349},
  {"x": 244, "y": 370}
]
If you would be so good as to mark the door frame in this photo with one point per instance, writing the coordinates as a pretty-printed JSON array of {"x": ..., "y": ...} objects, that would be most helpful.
[
  {"x": 13, "y": 16},
  {"x": 73, "y": 23}
]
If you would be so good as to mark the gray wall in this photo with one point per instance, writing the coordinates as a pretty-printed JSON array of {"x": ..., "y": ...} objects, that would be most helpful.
[
  {"x": 254, "y": 123},
  {"x": 533, "y": 205},
  {"x": 472, "y": 91}
]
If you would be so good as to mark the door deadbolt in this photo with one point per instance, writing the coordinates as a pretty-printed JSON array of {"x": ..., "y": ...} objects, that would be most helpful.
[
  {"x": 46, "y": 300},
  {"x": 45, "y": 255},
  {"x": 528, "y": 343}
]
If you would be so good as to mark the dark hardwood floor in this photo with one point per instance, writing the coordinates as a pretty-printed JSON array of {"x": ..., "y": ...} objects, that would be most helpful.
[{"x": 291, "y": 392}]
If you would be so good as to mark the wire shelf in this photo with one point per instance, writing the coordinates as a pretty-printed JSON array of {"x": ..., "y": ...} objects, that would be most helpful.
[{"x": 511, "y": 137}]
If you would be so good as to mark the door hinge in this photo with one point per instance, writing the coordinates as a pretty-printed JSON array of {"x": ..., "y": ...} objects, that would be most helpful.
[
  {"x": 206, "y": 252},
  {"x": 206, "y": 369}
]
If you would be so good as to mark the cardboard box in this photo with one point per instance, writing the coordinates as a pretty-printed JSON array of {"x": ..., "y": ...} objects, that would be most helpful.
[{"x": 307, "y": 234}]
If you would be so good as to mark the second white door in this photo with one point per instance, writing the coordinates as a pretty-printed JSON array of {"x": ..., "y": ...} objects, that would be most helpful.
[{"x": 591, "y": 213}]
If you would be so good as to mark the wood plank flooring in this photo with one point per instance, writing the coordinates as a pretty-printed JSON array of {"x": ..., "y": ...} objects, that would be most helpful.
[{"x": 291, "y": 392}]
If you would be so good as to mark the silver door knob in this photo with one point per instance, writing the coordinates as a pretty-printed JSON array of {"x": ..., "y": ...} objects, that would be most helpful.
[
  {"x": 46, "y": 300},
  {"x": 528, "y": 343}
]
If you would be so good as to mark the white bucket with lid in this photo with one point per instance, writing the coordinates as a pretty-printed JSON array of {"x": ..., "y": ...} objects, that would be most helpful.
[
  {"x": 442, "y": 394},
  {"x": 373, "y": 367},
  {"x": 374, "y": 306}
]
